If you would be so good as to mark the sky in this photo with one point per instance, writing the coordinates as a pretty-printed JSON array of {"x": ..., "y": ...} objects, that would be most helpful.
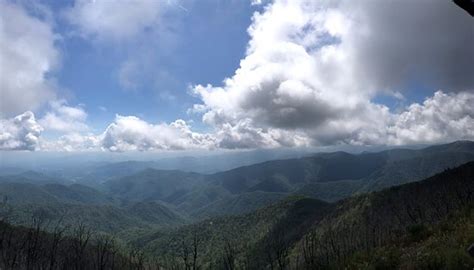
[{"x": 172, "y": 75}]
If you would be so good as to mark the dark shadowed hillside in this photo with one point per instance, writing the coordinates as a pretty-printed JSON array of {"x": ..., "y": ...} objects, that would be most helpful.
[
  {"x": 245, "y": 232},
  {"x": 80, "y": 248},
  {"x": 376, "y": 219}
]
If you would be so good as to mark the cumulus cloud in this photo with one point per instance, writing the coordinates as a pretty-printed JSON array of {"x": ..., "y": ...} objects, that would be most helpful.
[
  {"x": 117, "y": 20},
  {"x": 27, "y": 56},
  {"x": 126, "y": 133},
  {"x": 443, "y": 117},
  {"x": 20, "y": 133},
  {"x": 313, "y": 67},
  {"x": 130, "y": 133},
  {"x": 64, "y": 118},
  {"x": 440, "y": 118}
]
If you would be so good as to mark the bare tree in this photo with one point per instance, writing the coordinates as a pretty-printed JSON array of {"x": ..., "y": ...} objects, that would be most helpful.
[
  {"x": 309, "y": 250},
  {"x": 57, "y": 236},
  {"x": 277, "y": 248},
  {"x": 229, "y": 254},
  {"x": 196, "y": 242},
  {"x": 82, "y": 236},
  {"x": 185, "y": 252}
]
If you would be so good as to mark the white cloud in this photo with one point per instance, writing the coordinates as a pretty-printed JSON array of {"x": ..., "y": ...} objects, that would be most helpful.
[
  {"x": 126, "y": 133},
  {"x": 440, "y": 118},
  {"x": 245, "y": 135},
  {"x": 72, "y": 142},
  {"x": 130, "y": 133},
  {"x": 20, "y": 133},
  {"x": 443, "y": 117},
  {"x": 311, "y": 72},
  {"x": 313, "y": 67},
  {"x": 27, "y": 56},
  {"x": 116, "y": 20},
  {"x": 64, "y": 118}
]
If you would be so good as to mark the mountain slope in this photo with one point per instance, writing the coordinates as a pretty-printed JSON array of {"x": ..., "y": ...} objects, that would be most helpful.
[
  {"x": 77, "y": 204},
  {"x": 326, "y": 176},
  {"x": 243, "y": 231},
  {"x": 374, "y": 170},
  {"x": 314, "y": 234},
  {"x": 152, "y": 184},
  {"x": 238, "y": 204},
  {"x": 33, "y": 178},
  {"x": 372, "y": 220},
  {"x": 78, "y": 194},
  {"x": 25, "y": 192},
  {"x": 34, "y": 248}
]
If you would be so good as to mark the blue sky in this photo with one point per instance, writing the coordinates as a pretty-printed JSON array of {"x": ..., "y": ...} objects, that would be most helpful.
[
  {"x": 159, "y": 75},
  {"x": 208, "y": 38}
]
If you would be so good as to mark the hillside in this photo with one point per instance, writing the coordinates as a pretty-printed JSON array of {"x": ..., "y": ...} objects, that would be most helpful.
[
  {"x": 24, "y": 193},
  {"x": 373, "y": 171},
  {"x": 243, "y": 232},
  {"x": 376, "y": 219},
  {"x": 33, "y": 248},
  {"x": 238, "y": 204},
  {"x": 77, "y": 204},
  {"x": 437, "y": 246},
  {"x": 152, "y": 184},
  {"x": 302, "y": 233},
  {"x": 32, "y": 177}
]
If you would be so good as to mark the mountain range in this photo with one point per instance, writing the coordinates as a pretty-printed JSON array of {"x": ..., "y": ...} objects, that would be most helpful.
[
  {"x": 325, "y": 210},
  {"x": 325, "y": 176}
]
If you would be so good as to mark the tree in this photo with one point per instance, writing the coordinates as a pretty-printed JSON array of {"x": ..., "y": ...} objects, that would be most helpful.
[{"x": 229, "y": 254}]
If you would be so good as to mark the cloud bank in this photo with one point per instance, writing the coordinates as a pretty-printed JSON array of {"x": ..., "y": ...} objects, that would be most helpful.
[
  {"x": 440, "y": 118},
  {"x": 310, "y": 77},
  {"x": 312, "y": 69},
  {"x": 131, "y": 133}
]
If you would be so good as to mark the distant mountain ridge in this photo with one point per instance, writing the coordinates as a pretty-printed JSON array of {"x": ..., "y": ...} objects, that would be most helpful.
[
  {"x": 78, "y": 204},
  {"x": 327, "y": 176}
]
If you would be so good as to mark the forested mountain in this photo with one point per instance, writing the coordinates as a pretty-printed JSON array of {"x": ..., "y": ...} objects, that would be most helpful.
[
  {"x": 77, "y": 204},
  {"x": 301, "y": 233},
  {"x": 32, "y": 177},
  {"x": 325, "y": 176},
  {"x": 152, "y": 184},
  {"x": 325, "y": 211},
  {"x": 381, "y": 218},
  {"x": 191, "y": 196},
  {"x": 79, "y": 248}
]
